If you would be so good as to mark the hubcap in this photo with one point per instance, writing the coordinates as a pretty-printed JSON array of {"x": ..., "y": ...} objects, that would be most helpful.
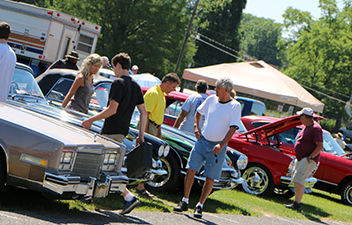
[
  {"x": 257, "y": 180},
  {"x": 160, "y": 181}
]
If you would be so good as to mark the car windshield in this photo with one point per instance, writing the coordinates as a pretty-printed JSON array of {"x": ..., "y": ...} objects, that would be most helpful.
[
  {"x": 330, "y": 145},
  {"x": 99, "y": 98},
  {"x": 23, "y": 84}
]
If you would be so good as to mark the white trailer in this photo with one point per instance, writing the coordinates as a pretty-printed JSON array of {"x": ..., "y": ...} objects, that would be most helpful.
[{"x": 40, "y": 36}]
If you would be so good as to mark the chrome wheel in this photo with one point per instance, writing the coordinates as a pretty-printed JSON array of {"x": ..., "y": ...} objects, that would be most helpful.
[
  {"x": 258, "y": 181},
  {"x": 160, "y": 181},
  {"x": 170, "y": 181}
]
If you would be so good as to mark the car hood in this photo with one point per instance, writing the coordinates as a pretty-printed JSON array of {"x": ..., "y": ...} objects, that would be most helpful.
[
  {"x": 67, "y": 134},
  {"x": 279, "y": 126}
]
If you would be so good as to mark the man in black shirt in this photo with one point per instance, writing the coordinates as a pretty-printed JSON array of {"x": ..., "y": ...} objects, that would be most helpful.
[{"x": 124, "y": 95}]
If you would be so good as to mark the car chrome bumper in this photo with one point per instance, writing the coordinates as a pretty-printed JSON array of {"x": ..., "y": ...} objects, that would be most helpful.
[
  {"x": 60, "y": 185},
  {"x": 287, "y": 182}
]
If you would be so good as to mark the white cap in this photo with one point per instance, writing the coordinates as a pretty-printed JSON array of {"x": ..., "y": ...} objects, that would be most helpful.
[
  {"x": 306, "y": 111},
  {"x": 135, "y": 67}
]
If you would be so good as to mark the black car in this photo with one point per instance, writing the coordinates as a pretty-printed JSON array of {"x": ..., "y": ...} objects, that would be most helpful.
[{"x": 56, "y": 83}]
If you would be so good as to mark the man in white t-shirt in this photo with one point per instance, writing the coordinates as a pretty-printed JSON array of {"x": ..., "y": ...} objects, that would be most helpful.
[
  {"x": 7, "y": 61},
  {"x": 186, "y": 116},
  {"x": 222, "y": 119}
]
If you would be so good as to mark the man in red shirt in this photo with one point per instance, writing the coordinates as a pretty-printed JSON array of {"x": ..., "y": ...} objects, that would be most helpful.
[{"x": 307, "y": 147}]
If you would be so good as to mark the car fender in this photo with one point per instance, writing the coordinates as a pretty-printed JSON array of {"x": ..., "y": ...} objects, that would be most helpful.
[{"x": 178, "y": 156}]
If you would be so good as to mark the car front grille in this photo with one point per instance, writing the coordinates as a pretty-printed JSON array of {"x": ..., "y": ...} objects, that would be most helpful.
[
  {"x": 225, "y": 175},
  {"x": 88, "y": 164}
]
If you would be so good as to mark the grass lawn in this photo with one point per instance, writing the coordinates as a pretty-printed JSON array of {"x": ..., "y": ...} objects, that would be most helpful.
[{"x": 318, "y": 206}]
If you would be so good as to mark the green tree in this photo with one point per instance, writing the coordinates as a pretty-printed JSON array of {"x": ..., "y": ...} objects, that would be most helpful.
[
  {"x": 319, "y": 52},
  {"x": 219, "y": 21},
  {"x": 259, "y": 38},
  {"x": 150, "y": 31}
]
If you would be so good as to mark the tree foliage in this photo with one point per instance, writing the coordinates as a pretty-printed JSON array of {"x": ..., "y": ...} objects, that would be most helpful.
[
  {"x": 150, "y": 31},
  {"x": 319, "y": 51},
  {"x": 219, "y": 21},
  {"x": 259, "y": 38}
]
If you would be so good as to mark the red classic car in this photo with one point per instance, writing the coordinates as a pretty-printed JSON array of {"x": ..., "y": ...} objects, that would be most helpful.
[{"x": 334, "y": 173}]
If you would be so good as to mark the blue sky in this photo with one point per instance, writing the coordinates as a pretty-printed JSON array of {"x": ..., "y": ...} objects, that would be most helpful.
[{"x": 273, "y": 9}]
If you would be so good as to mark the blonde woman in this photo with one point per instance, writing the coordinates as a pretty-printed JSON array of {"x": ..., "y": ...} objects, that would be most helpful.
[{"x": 82, "y": 89}]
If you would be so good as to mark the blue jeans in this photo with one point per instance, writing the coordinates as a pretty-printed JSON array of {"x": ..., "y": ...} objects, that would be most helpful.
[{"x": 202, "y": 152}]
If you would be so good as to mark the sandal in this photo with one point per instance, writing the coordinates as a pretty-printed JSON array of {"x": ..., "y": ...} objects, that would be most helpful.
[{"x": 145, "y": 193}]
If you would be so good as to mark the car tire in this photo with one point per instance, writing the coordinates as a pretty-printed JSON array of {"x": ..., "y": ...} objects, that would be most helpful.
[
  {"x": 346, "y": 193},
  {"x": 258, "y": 180},
  {"x": 170, "y": 182}
]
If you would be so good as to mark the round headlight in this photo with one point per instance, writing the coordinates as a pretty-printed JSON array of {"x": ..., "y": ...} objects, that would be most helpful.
[
  {"x": 166, "y": 150},
  {"x": 291, "y": 167},
  {"x": 242, "y": 162},
  {"x": 161, "y": 150}
]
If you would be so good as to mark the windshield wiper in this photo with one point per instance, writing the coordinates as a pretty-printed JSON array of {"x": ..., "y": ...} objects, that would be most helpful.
[{"x": 22, "y": 96}]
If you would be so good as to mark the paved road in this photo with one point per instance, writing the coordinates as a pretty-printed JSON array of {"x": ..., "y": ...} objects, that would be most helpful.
[{"x": 138, "y": 217}]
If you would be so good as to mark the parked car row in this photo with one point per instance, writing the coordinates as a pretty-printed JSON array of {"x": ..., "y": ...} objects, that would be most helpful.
[
  {"x": 160, "y": 178},
  {"x": 77, "y": 159},
  {"x": 56, "y": 84},
  {"x": 260, "y": 159},
  {"x": 256, "y": 183}
]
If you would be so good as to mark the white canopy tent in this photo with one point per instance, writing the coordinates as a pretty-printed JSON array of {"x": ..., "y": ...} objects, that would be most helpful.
[{"x": 259, "y": 79}]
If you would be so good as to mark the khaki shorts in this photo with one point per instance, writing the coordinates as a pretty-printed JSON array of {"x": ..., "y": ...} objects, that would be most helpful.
[
  {"x": 303, "y": 170},
  {"x": 151, "y": 129},
  {"x": 117, "y": 137}
]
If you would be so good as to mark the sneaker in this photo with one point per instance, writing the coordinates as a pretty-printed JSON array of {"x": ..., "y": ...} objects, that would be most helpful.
[
  {"x": 295, "y": 206},
  {"x": 130, "y": 205},
  {"x": 198, "y": 212},
  {"x": 182, "y": 206}
]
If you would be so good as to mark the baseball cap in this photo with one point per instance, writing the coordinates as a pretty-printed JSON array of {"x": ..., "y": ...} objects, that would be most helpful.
[
  {"x": 306, "y": 111},
  {"x": 134, "y": 67}
]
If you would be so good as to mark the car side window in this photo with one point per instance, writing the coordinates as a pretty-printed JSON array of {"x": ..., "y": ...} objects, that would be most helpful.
[
  {"x": 60, "y": 89},
  {"x": 174, "y": 109},
  {"x": 100, "y": 96},
  {"x": 258, "y": 109}
]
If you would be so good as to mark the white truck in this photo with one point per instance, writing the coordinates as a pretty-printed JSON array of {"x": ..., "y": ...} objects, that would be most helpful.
[{"x": 40, "y": 36}]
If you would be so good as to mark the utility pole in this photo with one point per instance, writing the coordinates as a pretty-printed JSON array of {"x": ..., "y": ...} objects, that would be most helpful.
[{"x": 186, "y": 38}]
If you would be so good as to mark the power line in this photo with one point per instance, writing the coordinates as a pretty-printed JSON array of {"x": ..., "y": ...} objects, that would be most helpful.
[
  {"x": 205, "y": 42},
  {"x": 218, "y": 43},
  {"x": 322, "y": 87}
]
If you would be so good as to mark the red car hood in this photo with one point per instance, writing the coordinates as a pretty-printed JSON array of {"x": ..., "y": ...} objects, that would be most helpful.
[
  {"x": 279, "y": 126},
  {"x": 175, "y": 95}
]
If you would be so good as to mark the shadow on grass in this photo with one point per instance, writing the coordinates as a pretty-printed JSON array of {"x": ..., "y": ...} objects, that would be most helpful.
[
  {"x": 116, "y": 202},
  {"x": 32, "y": 204},
  {"x": 14, "y": 199},
  {"x": 309, "y": 211},
  {"x": 211, "y": 205},
  {"x": 328, "y": 197}
]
